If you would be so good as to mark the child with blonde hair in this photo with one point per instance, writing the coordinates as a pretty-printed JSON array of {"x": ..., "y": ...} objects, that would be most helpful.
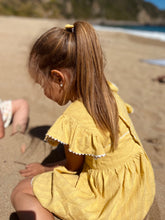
[{"x": 106, "y": 174}]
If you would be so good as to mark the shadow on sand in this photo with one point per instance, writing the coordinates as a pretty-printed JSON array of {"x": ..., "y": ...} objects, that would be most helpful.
[{"x": 29, "y": 215}]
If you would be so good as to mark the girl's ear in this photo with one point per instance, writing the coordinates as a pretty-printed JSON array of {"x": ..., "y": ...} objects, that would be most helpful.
[{"x": 58, "y": 77}]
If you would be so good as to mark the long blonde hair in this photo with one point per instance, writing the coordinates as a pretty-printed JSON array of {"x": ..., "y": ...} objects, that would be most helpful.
[{"x": 79, "y": 49}]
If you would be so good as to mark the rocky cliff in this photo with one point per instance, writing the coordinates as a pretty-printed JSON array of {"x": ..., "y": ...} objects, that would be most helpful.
[{"x": 103, "y": 10}]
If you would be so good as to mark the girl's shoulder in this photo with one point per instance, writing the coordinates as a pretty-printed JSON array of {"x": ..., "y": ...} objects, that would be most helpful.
[
  {"x": 77, "y": 113},
  {"x": 124, "y": 109}
]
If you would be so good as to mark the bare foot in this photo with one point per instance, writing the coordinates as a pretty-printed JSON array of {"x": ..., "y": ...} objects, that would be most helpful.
[{"x": 20, "y": 110}]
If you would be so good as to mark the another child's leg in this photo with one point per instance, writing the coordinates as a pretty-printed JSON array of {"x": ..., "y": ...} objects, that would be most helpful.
[
  {"x": 26, "y": 204},
  {"x": 2, "y": 130},
  {"x": 20, "y": 111}
]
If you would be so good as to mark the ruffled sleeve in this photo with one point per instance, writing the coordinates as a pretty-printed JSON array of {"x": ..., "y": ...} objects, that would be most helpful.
[{"x": 81, "y": 139}]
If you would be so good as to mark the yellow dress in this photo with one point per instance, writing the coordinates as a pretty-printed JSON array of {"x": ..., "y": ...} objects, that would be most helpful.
[{"x": 115, "y": 185}]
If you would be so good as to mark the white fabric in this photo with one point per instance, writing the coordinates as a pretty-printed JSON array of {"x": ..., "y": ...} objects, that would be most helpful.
[{"x": 6, "y": 111}]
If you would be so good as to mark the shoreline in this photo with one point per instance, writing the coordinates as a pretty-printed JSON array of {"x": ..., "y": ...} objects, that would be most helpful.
[
  {"x": 139, "y": 33},
  {"x": 105, "y": 22}
]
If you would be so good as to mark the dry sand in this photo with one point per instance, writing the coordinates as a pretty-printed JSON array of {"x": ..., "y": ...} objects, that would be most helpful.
[{"x": 124, "y": 67}]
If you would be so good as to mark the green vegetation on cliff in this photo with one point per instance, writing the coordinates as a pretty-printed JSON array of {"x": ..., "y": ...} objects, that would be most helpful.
[{"x": 126, "y": 10}]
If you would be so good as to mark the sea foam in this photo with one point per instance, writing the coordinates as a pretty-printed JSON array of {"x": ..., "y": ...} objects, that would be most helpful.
[{"x": 147, "y": 34}]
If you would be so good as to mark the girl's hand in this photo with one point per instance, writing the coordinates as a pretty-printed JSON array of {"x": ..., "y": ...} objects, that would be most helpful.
[{"x": 32, "y": 169}]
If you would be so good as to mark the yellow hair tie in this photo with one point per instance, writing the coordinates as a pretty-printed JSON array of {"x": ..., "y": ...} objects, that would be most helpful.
[{"x": 69, "y": 27}]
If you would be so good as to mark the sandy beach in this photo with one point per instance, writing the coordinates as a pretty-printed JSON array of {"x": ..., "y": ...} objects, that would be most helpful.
[{"x": 124, "y": 66}]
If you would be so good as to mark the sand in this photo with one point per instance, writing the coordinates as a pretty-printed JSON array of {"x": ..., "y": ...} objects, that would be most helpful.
[{"x": 124, "y": 54}]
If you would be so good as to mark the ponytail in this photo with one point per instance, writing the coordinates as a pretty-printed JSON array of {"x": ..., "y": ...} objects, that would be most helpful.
[{"x": 91, "y": 85}]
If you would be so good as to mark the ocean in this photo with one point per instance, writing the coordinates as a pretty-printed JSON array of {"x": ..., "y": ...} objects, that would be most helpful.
[{"x": 153, "y": 32}]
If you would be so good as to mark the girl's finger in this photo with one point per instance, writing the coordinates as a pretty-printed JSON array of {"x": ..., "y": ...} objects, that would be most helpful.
[
  {"x": 27, "y": 174},
  {"x": 25, "y": 171}
]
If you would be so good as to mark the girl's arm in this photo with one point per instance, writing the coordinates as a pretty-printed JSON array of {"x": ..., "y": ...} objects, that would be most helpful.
[
  {"x": 72, "y": 162},
  {"x": 2, "y": 130},
  {"x": 34, "y": 169}
]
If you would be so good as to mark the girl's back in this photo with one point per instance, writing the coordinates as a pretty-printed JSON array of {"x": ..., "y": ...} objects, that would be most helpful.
[{"x": 112, "y": 185}]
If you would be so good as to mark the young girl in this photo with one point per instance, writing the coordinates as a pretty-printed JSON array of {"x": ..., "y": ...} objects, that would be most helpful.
[{"x": 106, "y": 174}]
